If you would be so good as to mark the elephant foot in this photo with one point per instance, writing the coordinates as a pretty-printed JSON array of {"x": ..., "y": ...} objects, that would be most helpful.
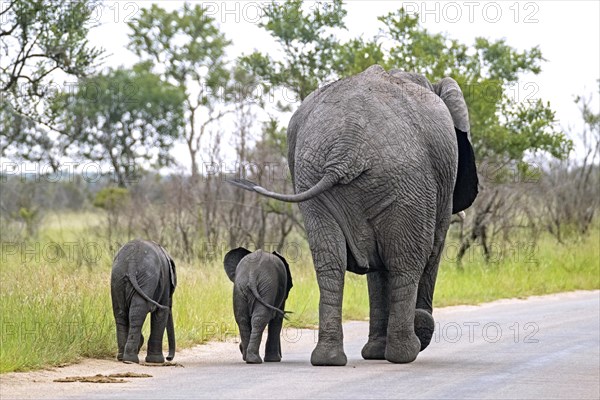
[
  {"x": 130, "y": 358},
  {"x": 374, "y": 350},
  {"x": 424, "y": 326},
  {"x": 403, "y": 349},
  {"x": 328, "y": 355},
  {"x": 120, "y": 357},
  {"x": 272, "y": 357},
  {"x": 253, "y": 359},
  {"x": 155, "y": 358}
]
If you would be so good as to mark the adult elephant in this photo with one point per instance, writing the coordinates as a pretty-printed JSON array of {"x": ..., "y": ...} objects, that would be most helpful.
[
  {"x": 374, "y": 160},
  {"x": 143, "y": 280}
]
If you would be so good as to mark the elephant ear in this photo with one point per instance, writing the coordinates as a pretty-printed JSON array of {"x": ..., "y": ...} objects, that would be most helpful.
[
  {"x": 232, "y": 259},
  {"x": 465, "y": 188},
  {"x": 172, "y": 270},
  {"x": 173, "y": 274},
  {"x": 289, "y": 282}
]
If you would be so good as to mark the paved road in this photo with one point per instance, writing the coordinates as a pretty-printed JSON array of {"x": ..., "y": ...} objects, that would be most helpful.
[{"x": 543, "y": 347}]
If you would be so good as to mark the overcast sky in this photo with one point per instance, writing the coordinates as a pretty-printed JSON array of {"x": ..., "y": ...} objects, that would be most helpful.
[{"x": 568, "y": 33}]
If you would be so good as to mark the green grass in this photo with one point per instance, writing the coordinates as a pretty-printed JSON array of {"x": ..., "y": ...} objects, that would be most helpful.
[
  {"x": 525, "y": 271},
  {"x": 55, "y": 309}
]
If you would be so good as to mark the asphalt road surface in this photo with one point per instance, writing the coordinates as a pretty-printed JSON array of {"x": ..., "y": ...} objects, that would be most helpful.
[{"x": 542, "y": 347}]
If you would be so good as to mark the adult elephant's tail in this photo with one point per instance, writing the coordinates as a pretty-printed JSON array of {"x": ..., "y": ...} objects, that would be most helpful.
[{"x": 326, "y": 183}]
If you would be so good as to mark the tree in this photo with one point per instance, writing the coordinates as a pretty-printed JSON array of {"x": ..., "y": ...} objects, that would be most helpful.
[
  {"x": 571, "y": 188},
  {"x": 38, "y": 39},
  {"x": 126, "y": 116},
  {"x": 188, "y": 50},
  {"x": 307, "y": 45}
]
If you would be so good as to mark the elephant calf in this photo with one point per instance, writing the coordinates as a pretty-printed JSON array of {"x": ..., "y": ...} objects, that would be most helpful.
[
  {"x": 143, "y": 280},
  {"x": 262, "y": 282}
]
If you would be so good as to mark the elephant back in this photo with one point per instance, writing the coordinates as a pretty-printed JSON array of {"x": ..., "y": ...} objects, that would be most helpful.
[{"x": 372, "y": 121}]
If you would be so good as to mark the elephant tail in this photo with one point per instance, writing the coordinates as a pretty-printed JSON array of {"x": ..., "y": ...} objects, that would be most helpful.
[
  {"x": 258, "y": 297},
  {"x": 171, "y": 336},
  {"x": 326, "y": 183},
  {"x": 139, "y": 291}
]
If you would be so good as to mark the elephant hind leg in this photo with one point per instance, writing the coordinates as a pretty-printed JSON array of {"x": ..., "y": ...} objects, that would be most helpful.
[
  {"x": 424, "y": 322},
  {"x": 273, "y": 346},
  {"x": 402, "y": 345},
  {"x": 121, "y": 314},
  {"x": 328, "y": 248},
  {"x": 260, "y": 319},
  {"x": 378, "y": 315},
  {"x": 242, "y": 318},
  {"x": 405, "y": 244},
  {"x": 138, "y": 309},
  {"x": 158, "y": 323},
  {"x": 122, "y": 331}
]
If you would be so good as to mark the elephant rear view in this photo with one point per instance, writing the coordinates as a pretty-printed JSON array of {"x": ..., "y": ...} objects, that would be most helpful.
[
  {"x": 262, "y": 282},
  {"x": 379, "y": 161},
  {"x": 142, "y": 281}
]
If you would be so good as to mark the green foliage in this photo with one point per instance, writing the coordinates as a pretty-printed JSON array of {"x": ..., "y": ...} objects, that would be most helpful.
[
  {"x": 530, "y": 126},
  {"x": 112, "y": 198},
  {"x": 188, "y": 50},
  {"x": 412, "y": 48},
  {"x": 38, "y": 38},
  {"x": 125, "y": 116},
  {"x": 307, "y": 44},
  {"x": 357, "y": 55},
  {"x": 188, "y": 45}
]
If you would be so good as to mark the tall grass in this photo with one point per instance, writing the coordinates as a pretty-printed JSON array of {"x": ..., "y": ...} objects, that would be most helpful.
[
  {"x": 55, "y": 305},
  {"x": 543, "y": 269}
]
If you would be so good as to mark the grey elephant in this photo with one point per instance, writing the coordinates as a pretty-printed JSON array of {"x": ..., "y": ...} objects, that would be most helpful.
[
  {"x": 379, "y": 162},
  {"x": 262, "y": 283},
  {"x": 142, "y": 281}
]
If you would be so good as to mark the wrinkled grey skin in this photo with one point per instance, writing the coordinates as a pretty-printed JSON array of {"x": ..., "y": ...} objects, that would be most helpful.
[
  {"x": 143, "y": 280},
  {"x": 374, "y": 161},
  {"x": 262, "y": 283}
]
